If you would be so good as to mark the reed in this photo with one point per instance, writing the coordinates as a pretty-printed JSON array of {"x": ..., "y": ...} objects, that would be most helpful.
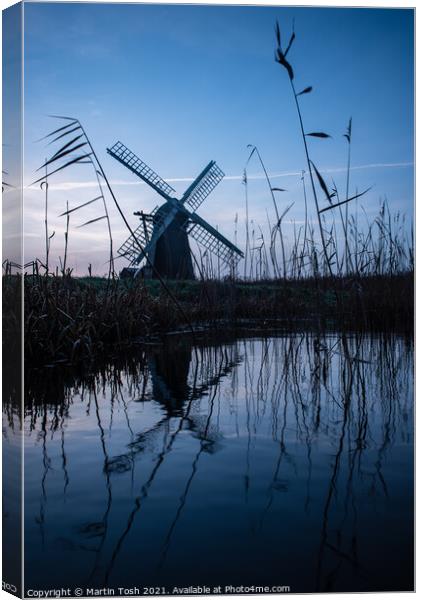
[{"x": 74, "y": 320}]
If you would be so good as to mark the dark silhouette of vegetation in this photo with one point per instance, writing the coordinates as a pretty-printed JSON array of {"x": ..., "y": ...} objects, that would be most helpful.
[{"x": 73, "y": 320}]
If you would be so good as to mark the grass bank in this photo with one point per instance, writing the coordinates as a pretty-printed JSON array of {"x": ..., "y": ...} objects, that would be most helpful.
[{"x": 73, "y": 320}]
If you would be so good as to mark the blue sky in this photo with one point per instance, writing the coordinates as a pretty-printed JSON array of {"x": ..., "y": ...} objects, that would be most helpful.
[{"x": 181, "y": 85}]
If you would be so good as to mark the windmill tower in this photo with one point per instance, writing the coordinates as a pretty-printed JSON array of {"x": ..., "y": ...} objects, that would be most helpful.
[{"x": 164, "y": 233}]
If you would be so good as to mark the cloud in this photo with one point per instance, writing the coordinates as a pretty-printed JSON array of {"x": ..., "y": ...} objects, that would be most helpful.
[
  {"x": 324, "y": 170},
  {"x": 74, "y": 185}
]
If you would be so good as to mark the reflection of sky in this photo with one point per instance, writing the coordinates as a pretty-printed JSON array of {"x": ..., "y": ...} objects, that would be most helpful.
[
  {"x": 182, "y": 85},
  {"x": 266, "y": 453}
]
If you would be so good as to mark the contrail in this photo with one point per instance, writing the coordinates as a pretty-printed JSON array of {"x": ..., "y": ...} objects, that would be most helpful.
[{"x": 120, "y": 182}]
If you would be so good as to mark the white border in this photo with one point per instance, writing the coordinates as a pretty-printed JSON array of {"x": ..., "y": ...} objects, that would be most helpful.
[{"x": 321, "y": 3}]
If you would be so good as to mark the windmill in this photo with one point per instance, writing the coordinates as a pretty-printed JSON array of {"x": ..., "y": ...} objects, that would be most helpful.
[{"x": 163, "y": 234}]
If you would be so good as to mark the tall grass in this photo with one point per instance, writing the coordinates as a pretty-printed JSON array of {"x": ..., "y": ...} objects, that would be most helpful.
[
  {"x": 76, "y": 320},
  {"x": 325, "y": 249},
  {"x": 81, "y": 151}
]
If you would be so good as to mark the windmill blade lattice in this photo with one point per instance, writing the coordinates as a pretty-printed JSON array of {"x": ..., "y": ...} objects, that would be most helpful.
[
  {"x": 204, "y": 184},
  {"x": 162, "y": 237},
  {"x": 148, "y": 233},
  {"x": 214, "y": 242},
  {"x": 143, "y": 233},
  {"x": 129, "y": 159}
]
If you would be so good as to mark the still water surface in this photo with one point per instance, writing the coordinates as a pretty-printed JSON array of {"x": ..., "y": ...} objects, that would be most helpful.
[{"x": 273, "y": 461}]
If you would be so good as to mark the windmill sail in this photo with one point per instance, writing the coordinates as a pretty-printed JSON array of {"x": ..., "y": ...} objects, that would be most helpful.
[
  {"x": 212, "y": 240},
  {"x": 203, "y": 185},
  {"x": 129, "y": 159},
  {"x": 146, "y": 234},
  {"x": 142, "y": 234},
  {"x": 161, "y": 237}
]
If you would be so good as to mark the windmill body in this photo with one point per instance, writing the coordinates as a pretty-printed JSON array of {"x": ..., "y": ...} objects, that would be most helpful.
[
  {"x": 161, "y": 242},
  {"x": 172, "y": 251}
]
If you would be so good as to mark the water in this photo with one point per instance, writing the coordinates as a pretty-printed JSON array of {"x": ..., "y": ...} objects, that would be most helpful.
[{"x": 265, "y": 462}]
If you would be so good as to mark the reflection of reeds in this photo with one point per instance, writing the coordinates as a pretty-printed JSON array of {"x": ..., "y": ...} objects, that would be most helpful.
[{"x": 299, "y": 388}]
